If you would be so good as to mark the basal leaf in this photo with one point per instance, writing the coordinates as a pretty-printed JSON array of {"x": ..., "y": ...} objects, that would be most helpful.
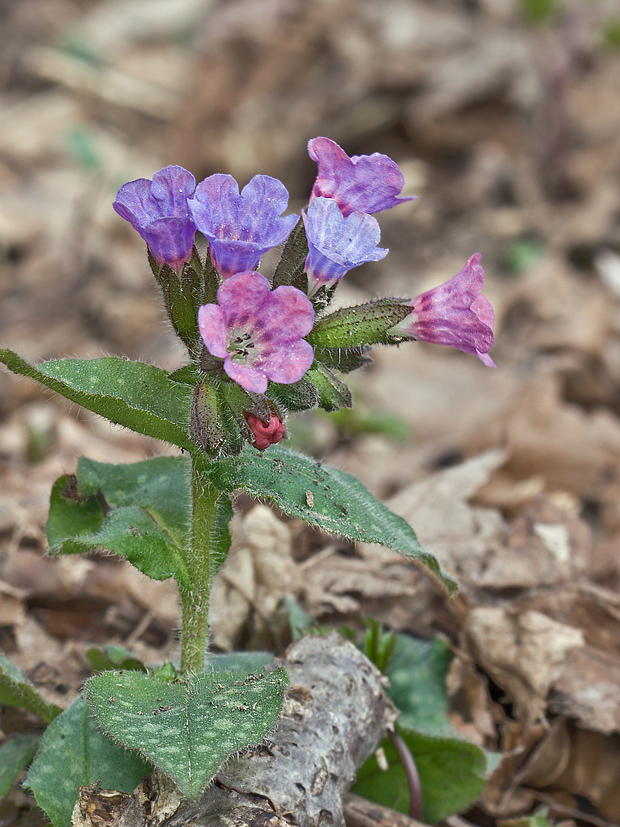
[
  {"x": 74, "y": 753},
  {"x": 187, "y": 728},
  {"x": 133, "y": 394},
  {"x": 417, "y": 687},
  {"x": 452, "y": 771},
  {"x": 16, "y": 690},
  {"x": 15, "y": 755},
  {"x": 452, "y": 775},
  {"x": 140, "y": 511},
  {"x": 322, "y": 496}
]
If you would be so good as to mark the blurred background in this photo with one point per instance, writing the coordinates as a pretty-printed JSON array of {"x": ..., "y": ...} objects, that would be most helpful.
[{"x": 504, "y": 117}]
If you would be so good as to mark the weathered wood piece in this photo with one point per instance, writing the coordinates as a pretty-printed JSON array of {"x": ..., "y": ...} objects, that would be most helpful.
[{"x": 335, "y": 714}]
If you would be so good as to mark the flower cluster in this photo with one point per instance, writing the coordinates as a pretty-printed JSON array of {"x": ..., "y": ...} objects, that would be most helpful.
[{"x": 273, "y": 340}]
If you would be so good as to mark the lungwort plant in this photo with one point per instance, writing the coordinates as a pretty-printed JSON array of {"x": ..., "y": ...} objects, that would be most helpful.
[{"x": 258, "y": 347}]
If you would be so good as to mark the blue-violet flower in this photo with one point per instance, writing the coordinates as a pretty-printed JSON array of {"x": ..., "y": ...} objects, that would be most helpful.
[
  {"x": 159, "y": 212},
  {"x": 241, "y": 227},
  {"x": 454, "y": 314},
  {"x": 337, "y": 244},
  {"x": 258, "y": 332},
  {"x": 361, "y": 183}
]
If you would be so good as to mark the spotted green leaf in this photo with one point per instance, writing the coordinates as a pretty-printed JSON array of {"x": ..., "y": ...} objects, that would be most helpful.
[{"x": 187, "y": 728}]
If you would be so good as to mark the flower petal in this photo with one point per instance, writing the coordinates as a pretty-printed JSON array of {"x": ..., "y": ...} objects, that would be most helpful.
[{"x": 362, "y": 183}]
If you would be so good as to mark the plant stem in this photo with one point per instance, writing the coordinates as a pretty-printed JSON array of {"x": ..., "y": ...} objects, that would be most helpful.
[
  {"x": 208, "y": 536},
  {"x": 411, "y": 771}
]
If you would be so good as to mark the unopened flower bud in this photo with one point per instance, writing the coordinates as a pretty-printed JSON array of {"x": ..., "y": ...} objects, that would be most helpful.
[{"x": 265, "y": 433}]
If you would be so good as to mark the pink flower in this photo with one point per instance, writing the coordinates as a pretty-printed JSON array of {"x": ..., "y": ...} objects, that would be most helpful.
[
  {"x": 455, "y": 314},
  {"x": 258, "y": 332},
  {"x": 265, "y": 434},
  {"x": 361, "y": 183}
]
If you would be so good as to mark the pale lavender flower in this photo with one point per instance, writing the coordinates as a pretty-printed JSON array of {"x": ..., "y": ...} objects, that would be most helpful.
[
  {"x": 361, "y": 183},
  {"x": 241, "y": 227},
  {"x": 337, "y": 244},
  {"x": 159, "y": 212},
  {"x": 454, "y": 314},
  {"x": 258, "y": 332}
]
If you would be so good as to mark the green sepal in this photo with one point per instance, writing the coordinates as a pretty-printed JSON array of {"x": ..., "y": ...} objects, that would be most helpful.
[
  {"x": 322, "y": 496},
  {"x": 344, "y": 360},
  {"x": 188, "y": 727},
  {"x": 290, "y": 269},
  {"x": 207, "y": 425},
  {"x": 299, "y": 396},
  {"x": 133, "y": 394},
  {"x": 333, "y": 393},
  {"x": 184, "y": 294},
  {"x": 365, "y": 324},
  {"x": 15, "y": 755},
  {"x": 241, "y": 401},
  {"x": 187, "y": 375},
  {"x": 140, "y": 511},
  {"x": 16, "y": 690},
  {"x": 75, "y": 753}
]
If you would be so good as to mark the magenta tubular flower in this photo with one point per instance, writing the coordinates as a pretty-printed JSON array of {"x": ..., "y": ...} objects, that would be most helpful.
[
  {"x": 265, "y": 434},
  {"x": 337, "y": 244},
  {"x": 258, "y": 332},
  {"x": 158, "y": 211},
  {"x": 361, "y": 183},
  {"x": 241, "y": 227},
  {"x": 454, "y": 314}
]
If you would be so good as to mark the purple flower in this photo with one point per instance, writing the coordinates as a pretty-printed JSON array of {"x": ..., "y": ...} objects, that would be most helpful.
[
  {"x": 454, "y": 314},
  {"x": 362, "y": 183},
  {"x": 158, "y": 211},
  {"x": 337, "y": 244},
  {"x": 241, "y": 227},
  {"x": 258, "y": 332}
]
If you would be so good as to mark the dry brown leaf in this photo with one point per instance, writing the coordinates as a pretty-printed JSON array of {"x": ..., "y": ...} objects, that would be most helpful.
[{"x": 523, "y": 652}]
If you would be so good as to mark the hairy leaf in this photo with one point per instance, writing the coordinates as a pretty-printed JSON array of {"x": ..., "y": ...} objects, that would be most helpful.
[
  {"x": 139, "y": 396},
  {"x": 322, "y": 496},
  {"x": 16, "y": 690},
  {"x": 140, "y": 511},
  {"x": 187, "y": 728},
  {"x": 74, "y": 753}
]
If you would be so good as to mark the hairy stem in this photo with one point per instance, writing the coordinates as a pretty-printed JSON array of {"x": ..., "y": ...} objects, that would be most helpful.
[{"x": 209, "y": 538}]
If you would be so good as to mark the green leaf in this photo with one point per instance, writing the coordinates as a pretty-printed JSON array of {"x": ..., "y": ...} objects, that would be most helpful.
[
  {"x": 418, "y": 684},
  {"x": 365, "y": 324},
  {"x": 248, "y": 663},
  {"x": 138, "y": 396},
  {"x": 322, "y": 496},
  {"x": 140, "y": 511},
  {"x": 15, "y": 755},
  {"x": 379, "y": 646},
  {"x": 187, "y": 728},
  {"x": 452, "y": 771},
  {"x": 15, "y": 690},
  {"x": 102, "y": 658},
  {"x": 452, "y": 775},
  {"x": 75, "y": 753}
]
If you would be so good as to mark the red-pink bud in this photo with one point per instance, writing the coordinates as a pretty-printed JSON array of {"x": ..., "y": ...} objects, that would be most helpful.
[{"x": 265, "y": 434}]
